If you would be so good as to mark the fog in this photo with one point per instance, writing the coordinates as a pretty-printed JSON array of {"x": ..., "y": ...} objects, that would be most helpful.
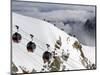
[{"x": 74, "y": 17}]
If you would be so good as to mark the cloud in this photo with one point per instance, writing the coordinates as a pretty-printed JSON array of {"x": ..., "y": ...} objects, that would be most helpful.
[
  {"x": 58, "y": 13},
  {"x": 52, "y": 11},
  {"x": 63, "y": 15}
]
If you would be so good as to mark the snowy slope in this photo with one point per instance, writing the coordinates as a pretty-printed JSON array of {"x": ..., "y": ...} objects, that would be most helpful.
[{"x": 44, "y": 33}]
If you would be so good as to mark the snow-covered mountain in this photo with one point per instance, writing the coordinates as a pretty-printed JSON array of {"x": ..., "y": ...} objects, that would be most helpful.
[{"x": 45, "y": 33}]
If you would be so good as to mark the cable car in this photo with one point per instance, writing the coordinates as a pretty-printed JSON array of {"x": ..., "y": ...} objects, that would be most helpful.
[
  {"x": 16, "y": 37},
  {"x": 31, "y": 46},
  {"x": 46, "y": 56}
]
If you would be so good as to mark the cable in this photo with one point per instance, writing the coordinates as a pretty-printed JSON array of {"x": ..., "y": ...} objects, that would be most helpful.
[
  {"x": 31, "y": 60},
  {"x": 34, "y": 53},
  {"x": 28, "y": 55},
  {"x": 39, "y": 41},
  {"x": 69, "y": 64},
  {"x": 37, "y": 45},
  {"x": 21, "y": 53},
  {"x": 69, "y": 57},
  {"x": 66, "y": 62},
  {"x": 72, "y": 59},
  {"x": 34, "y": 38}
]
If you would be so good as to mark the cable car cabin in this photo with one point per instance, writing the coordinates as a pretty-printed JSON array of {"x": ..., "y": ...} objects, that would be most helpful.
[
  {"x": 16, "y": 37},
  {"x": 31, "y": 46},
  {"x": 46, "y": 56}
]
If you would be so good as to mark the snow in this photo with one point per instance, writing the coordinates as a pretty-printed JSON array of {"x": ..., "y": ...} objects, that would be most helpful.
[{"x": 44, "y": 33}]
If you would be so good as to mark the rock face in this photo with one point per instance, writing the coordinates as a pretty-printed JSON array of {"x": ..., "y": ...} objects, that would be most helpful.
[
  {"x": 14, "y": 68},
  {"x": 55, "y": 65}
]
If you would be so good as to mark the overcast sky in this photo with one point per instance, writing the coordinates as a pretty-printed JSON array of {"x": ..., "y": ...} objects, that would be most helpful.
[
  {"x": 58, "y": 13},
  {"x": 53, "y": 11}
]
